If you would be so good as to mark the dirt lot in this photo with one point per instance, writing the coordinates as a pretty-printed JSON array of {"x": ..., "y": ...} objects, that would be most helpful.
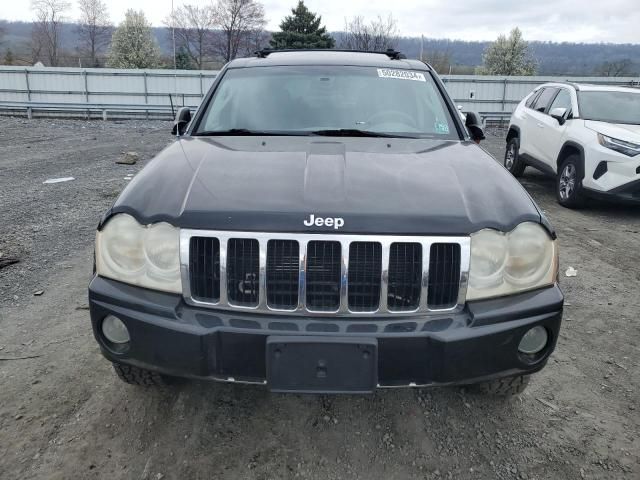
[{"x": 63, "y": 413}]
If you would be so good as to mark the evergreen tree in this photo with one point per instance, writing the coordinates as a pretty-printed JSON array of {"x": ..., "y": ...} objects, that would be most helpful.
[
  {"x": 183, "y": 60},
  {"x": 302, "y": 30},
  {"x": 133, "y": 45},
  {"x": 8, "y": 57}
]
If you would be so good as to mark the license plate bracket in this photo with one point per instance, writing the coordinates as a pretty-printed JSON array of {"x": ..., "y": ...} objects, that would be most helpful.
[{"x": 310, "y": 364}]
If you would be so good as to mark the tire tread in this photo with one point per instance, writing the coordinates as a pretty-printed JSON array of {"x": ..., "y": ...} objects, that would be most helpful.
[
  {"x": 503, "y": 387},
  {"x": 138, "y": 376}
]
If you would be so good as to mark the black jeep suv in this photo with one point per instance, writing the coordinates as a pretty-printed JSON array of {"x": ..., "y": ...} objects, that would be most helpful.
[{"x": 324, "y": 223}]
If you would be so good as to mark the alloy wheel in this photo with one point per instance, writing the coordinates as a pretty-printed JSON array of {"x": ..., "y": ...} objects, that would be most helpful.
[
  {"x": 567, "y": 181},
  {"x": 510, "y": 157}
]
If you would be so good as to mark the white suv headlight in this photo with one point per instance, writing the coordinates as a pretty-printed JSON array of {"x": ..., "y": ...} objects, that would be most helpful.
[
  {"x": 507, "y": 263},
  {"x": 147, "y": 256},
  {"x": 626, "y": 148}
]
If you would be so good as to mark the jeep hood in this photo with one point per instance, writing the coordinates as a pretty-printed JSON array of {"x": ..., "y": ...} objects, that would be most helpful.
[{"x": 377, "y": 185}]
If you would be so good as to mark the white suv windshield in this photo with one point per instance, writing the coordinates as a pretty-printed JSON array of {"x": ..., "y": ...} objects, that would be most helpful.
[
  {"x": 305, "y": 99},
  {"x": 612, "y": 107}
]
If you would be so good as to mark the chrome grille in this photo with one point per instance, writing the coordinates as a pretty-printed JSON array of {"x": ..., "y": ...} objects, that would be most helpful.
[
  {"x": 405, "y": 274},
  {"x": 204, "y": 263},
  {"x": 365, "y": 270},
  {"x": 323, "y": 276},
  {"x": 243, "y": 265},
  {"x": 338, "y": 275},
  {"x": 444, "y": 261},
  {"x": 283, "y": 264}
]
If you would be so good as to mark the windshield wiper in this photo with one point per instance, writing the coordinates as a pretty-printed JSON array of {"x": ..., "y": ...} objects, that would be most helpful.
[
  {"x": 245, "y": 132},
  {"x": 354, "y": 132}
]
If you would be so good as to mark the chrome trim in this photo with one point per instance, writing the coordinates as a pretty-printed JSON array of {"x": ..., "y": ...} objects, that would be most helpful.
[
  {"x": 345, "y": 250},
  {"x": 345, "y": 242},
  {"x": 384, "y": 285},
  {"x": 424, "y": 290}
]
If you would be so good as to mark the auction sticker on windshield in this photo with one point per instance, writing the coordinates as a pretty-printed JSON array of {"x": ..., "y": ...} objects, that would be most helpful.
[{"x": 401, "y": 74}]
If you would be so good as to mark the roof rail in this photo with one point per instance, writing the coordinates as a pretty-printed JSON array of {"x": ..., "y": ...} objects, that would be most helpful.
[
  {"x": 571, "y": 84},
  {"x": 391, "y": 53}
]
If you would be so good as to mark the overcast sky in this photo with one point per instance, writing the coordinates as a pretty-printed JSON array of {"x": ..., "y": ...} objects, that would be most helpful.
[{"x": 615, "y": 21}]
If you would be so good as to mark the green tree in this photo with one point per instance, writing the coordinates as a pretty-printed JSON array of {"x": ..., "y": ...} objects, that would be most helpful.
[
  {"x": 8, "y": 57},
  {"x": 302, "y": 30},
  {"x": 132, "y": 44},
  {"x": 184, "y": 60},
  {"x": 509, "y": 56}
]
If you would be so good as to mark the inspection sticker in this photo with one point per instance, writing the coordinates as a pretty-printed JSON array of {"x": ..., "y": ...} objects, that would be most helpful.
[{"x": 401, "y": 74}]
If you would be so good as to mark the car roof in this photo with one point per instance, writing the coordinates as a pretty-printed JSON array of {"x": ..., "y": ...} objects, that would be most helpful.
[
  {"x": 586, "y": 87},
  {"x": 328, "y": 57}
]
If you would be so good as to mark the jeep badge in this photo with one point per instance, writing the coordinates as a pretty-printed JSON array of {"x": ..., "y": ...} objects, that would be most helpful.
[{"x": 336, "y": 223}]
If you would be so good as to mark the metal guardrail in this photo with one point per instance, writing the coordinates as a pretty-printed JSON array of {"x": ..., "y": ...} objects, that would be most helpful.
[
  {"x": 74, "y": 92},
  {"x": 85, "y": 110},
  {"x": 110, "y": 92}
]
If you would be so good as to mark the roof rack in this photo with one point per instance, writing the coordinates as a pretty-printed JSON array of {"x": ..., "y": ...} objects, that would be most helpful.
[
  {"x": 391, "y": 53},
  {"x": 570, "y": 83}
]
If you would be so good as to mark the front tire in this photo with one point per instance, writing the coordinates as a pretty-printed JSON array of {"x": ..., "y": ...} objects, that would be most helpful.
[
  {"x": 512, "y": 160},
  {"x": 569, "y": 183},
  {"x": 139, "y": 376},
  {"x": 502, "y": 387}
]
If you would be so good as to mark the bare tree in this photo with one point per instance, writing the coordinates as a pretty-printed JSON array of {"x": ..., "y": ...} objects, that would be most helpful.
[
  {"x": 616, "y": 68},
  {"x": 377, "y": 35},
  {"x": 47, "y": 27},
  {"x": 440, "y": 60},
  {"x": 237, "y": 20},
  {"x": 254, "y": 41},
  {"x": 94, "y": 29},
  {"x": 193, "y": 31}
]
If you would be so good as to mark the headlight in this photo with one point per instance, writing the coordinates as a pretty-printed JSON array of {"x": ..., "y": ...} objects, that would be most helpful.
[
  {"x": 503, "y": 264},
  {"x": 148, "y": 256},
  {"x": 626, "y": 148}
]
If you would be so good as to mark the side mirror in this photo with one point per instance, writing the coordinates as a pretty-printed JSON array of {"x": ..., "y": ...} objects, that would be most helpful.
[
  {"x": 559, "y": 114},
  {"x": 183, "y": 117},
  {"x": 474, "y": 126}
]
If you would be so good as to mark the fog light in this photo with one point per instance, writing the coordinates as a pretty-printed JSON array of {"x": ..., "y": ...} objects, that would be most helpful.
[
  {"x": 114, "y": 330},
  {"x": 534, "y": 340}
]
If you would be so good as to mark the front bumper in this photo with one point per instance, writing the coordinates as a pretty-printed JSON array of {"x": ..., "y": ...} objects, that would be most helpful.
[
  {"x": 621, "y": 180},
  {"x": 173, "y": 338},
  {"x": 627, "y": 193}
]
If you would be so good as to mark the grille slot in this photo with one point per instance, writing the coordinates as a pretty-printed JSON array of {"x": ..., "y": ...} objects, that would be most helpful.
[
  {"x": 283, "y": 264},
  {"x": 243, "y": 263},
  {"x": 405, "y": 276},
  {"x": 365, "y": 269},
  {"x": 444, "y": 275},
  {"x": 204, "y": 265},
  {"x": 323, "y": 276}
]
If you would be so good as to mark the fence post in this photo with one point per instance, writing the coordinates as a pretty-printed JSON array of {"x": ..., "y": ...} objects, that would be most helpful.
[
  {"x": 146, "y": 93},
  {"x": 86, "y": 93},
  {"x": 201, "y": 87},
  {"x": 504, "y": 94},
  {"x": 86, "y": 87},
  {"x": 26, "y": 79}
]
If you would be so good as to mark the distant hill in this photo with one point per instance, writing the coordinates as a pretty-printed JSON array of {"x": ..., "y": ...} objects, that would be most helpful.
[{"x": 576, "y": 59}]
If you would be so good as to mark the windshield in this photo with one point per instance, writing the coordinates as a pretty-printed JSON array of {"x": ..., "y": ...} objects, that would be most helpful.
[
  {"x": 612, "y": 107},
  {"x": 312, "y": 99}
]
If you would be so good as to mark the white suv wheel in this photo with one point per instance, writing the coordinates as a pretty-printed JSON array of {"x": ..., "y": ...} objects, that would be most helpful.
[{"x": 568, "y": 181}]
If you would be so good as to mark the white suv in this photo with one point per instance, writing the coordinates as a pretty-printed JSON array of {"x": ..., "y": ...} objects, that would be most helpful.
[{"x": 586, "y": 136}]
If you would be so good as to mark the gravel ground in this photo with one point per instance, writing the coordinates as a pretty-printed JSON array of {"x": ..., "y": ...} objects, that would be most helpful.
[{"x": 63, "y": 414}]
